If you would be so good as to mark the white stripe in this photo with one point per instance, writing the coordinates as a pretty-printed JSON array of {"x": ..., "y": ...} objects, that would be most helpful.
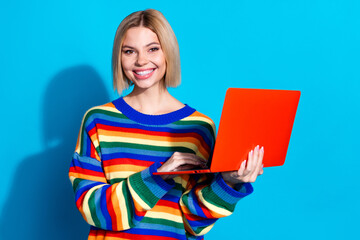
[
  {"x": 162, "y": 215},
  {"x": 122, "y": 174}
]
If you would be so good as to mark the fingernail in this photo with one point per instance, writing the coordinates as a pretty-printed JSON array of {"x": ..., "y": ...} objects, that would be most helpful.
[
  {"x": 251, "y": 152},
  {"x": 262, "y": 148},
  {"x": 257, "y": 147}
]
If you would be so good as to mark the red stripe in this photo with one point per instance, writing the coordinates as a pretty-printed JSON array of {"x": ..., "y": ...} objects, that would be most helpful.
[
  {"x": 80, "y": 200},
  {"x": 168, "y": 203},
  {"x": 147, "y": 132},
  {"x": 92, "y": 131},
  {"x": 99, "y": 233},
  {"x": 119, "y": 161},
  {"x": 139, "y": 213},
  {"x": 86, "y": 171},
  {"x": 110, "y": 207}
]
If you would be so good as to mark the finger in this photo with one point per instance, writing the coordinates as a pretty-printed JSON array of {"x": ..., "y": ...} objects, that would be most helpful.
[
  {"x": 249, "y": 163},
  {"x": 186, "y": 167},
  {"x": 260, "y": 160},
  {"x": 242, "y": 168},
  {"x": 191, "y": 156},
  {"x": 188, "y": 161},
  {"x": 254, "y": 157},
  {"x": 258, "y": 164},
  {"x": 261, "y": 170}
]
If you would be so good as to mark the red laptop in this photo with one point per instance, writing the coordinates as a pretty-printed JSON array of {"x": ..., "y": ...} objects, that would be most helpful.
[{"x": 252, "y": 117}]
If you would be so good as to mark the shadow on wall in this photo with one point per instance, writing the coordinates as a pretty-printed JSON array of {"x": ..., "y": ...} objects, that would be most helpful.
[{"x": 41, "y": 201}]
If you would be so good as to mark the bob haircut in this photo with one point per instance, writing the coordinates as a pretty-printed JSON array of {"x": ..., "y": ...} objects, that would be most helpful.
[{"x": 156, "y": 22}]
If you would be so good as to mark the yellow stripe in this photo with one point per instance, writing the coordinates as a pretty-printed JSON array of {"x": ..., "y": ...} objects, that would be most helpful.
[
  {"x": 122, "y": 205},
  {"x": 124, "y": 167},
  {"x": 138, "y": 199},
  {"x": 103, "y": 107},
  {"x": 85, "y": 205},
  {"x": 162, "y": 215},
  {"x": 122, "y": 174},
  {"x": 212, "y": 207},
  {"x": 201, "y": 118}
]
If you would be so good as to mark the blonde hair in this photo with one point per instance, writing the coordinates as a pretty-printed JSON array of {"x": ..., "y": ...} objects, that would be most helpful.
[{"x": 156, "y": 22}]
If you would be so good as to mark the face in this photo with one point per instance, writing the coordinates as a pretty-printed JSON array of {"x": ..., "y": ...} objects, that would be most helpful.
[{"x": 142, "y": 58}]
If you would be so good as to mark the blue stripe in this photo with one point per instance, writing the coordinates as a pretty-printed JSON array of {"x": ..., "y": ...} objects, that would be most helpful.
[
  {"x": 202, "y": 223},
  {"x": 131, "y": 113},
  {"x": 159, "y": 227},
  {"x": 151, "y": 184},
  {"x": 84, "y": 186},
  {"x": 225, "y": 192},
  {"x": 198, "y": 211},
  {"x": 98, "y": 207},
  {"x": 134, "y": 156},
  {"x": 154, "y": 232},
  {"x": 87, "y": 146},
  {"x": 104, "y": 209},
  {"x": 170, "y": 197},
  {"x": 84, "y": 165}
]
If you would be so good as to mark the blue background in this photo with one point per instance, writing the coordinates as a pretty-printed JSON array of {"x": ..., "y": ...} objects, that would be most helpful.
[{"x": 55, "y": 59}]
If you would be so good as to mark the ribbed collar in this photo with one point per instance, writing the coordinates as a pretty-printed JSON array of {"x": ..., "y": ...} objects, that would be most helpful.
[{"x": 161, "y": 119}]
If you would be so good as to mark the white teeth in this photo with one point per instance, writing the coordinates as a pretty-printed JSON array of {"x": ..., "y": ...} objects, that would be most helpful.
[{"x": 142, "y": 73}]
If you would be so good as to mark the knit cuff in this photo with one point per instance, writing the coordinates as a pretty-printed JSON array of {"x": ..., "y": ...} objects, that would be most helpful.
[
  {"x": 227, "y": 194},
  {"x": 150, "y": 188}
]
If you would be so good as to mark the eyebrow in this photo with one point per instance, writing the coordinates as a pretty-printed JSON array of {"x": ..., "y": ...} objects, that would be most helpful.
[{"x": 147, "y": 45}]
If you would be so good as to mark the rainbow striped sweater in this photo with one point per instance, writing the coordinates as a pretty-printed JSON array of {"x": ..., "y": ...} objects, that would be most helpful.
[{"x": 111, "y": 172}]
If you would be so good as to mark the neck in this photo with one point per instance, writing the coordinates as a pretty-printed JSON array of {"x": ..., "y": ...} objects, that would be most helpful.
[{"x": 151, "y": 100}]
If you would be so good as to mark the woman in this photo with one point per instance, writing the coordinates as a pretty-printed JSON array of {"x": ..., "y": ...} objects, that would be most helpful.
[{"x": 122, "y": 143}]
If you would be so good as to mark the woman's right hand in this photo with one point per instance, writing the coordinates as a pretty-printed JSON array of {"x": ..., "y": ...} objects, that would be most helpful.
[{"x": 181, "y": 161}]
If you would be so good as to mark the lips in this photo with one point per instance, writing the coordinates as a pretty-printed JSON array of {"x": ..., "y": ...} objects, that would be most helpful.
[{"x": 143, "y": 73}]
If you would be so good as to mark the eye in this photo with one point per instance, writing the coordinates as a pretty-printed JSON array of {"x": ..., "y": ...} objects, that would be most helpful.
[
  {"x": 154, "y": 49},
  {"x": 128, "y": 51}
]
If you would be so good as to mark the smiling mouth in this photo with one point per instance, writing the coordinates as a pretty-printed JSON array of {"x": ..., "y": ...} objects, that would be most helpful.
[{"x": 144, "y": 72}]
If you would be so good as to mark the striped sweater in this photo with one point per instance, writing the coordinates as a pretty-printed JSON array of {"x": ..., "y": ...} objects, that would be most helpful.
[{"x": 111, "y": 172}]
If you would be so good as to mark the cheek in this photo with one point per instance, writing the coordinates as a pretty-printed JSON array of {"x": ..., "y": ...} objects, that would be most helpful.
[{"x": 161, "y": 61}]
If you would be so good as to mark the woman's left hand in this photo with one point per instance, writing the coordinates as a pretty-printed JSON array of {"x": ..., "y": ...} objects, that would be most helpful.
[{"x": 249, "y": 169}]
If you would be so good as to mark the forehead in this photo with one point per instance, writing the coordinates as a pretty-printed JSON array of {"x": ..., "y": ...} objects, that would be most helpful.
[{"x": 139, "y": 36}]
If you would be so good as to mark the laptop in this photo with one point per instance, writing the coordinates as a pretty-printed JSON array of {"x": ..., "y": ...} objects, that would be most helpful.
[{"x": 252, "y": 117}]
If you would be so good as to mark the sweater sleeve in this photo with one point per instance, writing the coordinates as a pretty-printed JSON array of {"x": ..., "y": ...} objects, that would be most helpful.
[
  {"x": 117, "y": 206},
  {"x": 207, "y": 199}
]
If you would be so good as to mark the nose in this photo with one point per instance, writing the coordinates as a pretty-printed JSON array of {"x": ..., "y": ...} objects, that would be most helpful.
[{"x": 141, "y": 59}]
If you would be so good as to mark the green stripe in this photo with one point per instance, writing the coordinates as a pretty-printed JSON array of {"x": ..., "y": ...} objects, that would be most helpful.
[
  {"x": 195, "y": 122},
  {"x": 128, "y": 202},
  {"x": 105, "y": 112},
  {"x": 92, "y": 207},
  {"x": 185, "y": 199},
  {"x": 162, "y": 222},
  {"x": 211, "y": 197},
  {"x": 76, "y": 182},
  {"x": 146, "y": 147},
  {"x": 142, "y": 190},
  {"x": 116, "y": 180}
]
